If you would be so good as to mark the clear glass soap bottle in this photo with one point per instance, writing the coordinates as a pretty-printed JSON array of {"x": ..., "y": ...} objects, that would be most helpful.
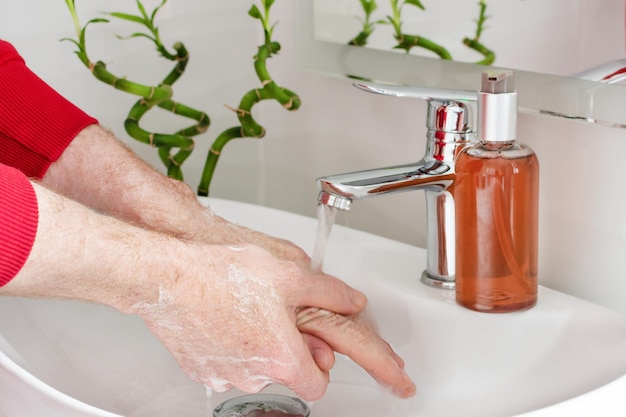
[{"x": 496, "y": 194}]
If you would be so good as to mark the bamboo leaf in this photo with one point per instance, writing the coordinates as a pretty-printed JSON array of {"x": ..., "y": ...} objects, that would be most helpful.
[
  {"x": 154, "y": 12},
  {"x": 128, "y": 17},
  {"x": 98, "y": 20},
  {"x": 72, "y": 6},
  {"x": 142, "y": 9},
  {"x": 137, "y": 35},
  {"x": 415, "y": 3},
  {"x": 369, "y": 6},
  {"x": 81, "y": 36},
  {"x": 271, "y": 31},
  {"x": 83, "y": 31},
  {"x": 74, "y": 41},
  {"x": 255, "y": 12}
]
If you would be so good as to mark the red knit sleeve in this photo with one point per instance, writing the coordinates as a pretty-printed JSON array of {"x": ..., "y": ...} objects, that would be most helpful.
[
  {"x": 36, "y": 122},
  {"x": 18, "y": 221}
]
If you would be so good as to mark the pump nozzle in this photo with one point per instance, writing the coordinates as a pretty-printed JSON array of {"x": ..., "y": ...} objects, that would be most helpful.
[
  {"x": 497, "y": 107},
  {"x": 498, "y": 82}
]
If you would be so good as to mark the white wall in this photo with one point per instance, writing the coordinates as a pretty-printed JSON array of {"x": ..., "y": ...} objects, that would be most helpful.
[{"x": 583, "y": 208}]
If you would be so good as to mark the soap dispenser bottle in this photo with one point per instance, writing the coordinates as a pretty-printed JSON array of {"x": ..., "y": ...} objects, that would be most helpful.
[{"x": 496, "y": 193}]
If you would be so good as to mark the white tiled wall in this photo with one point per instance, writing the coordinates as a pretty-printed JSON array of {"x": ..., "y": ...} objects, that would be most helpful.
[{"x": 583, "y": 206}]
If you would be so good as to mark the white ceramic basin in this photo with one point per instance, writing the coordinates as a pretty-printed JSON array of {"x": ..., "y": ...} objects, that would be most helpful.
[{"x": 71, "y": 359}]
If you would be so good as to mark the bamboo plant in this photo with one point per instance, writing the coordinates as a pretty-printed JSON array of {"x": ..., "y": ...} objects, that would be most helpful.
[
  {"x": 474, "y": 43},
  {"x": 407, "y": 42},
  {"x": 269, "y": 90},
  {"x": 174, "y": 148},
  {"x": 367, "y": 24},
  {"x": 150, "y": 95}
]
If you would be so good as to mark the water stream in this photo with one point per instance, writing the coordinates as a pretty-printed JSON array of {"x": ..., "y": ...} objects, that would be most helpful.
[{"x": 326, "y": 216}]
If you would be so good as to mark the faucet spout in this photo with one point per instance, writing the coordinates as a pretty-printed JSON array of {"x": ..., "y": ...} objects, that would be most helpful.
[
  {"x": 424, "y": 175},
  {"x": 334, "y": 200}
]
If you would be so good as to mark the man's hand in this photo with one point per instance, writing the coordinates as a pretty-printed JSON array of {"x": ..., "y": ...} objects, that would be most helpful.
[
  {"x": 355, "y": 337},
  {"x": 229, "y": 318}
]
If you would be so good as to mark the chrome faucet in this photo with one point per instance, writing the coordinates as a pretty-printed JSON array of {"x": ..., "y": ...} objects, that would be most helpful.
[{"x": 450, "y": 123}]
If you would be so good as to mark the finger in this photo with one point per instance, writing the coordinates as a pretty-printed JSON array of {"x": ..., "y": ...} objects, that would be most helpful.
[
  {"x": 330, "y": 293},
  {"x": 353, "y": 337},
  {"x": 303, "y": 363},
  {"x": 307, "y": 380},
  {"x": 323, "y": 355}
]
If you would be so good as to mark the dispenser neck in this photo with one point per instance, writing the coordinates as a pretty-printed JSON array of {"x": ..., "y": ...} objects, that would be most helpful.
[{"x": 497, "y": 120}]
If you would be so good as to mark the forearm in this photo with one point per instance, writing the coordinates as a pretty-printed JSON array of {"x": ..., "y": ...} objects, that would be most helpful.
[
  {"x": 101, "y": 172},
  {"x": 81, "y": 255}
]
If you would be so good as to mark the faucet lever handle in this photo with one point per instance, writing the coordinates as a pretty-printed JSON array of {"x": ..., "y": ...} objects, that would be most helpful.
[
  {"x": 425, "y": 93},
  {"x": 449, "y": 111}
]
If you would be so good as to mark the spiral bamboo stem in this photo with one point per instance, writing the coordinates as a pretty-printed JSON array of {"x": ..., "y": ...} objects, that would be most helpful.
[
  {"x": 173, "y": 148},
  {"x": 270, "y": 90}
]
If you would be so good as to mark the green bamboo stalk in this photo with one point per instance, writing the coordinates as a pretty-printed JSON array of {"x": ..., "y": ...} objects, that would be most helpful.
[
  {"x": 151, "y": 96},
  {"x": 367, "y": 25},
  {"x": 489, "y": 55},
  {"x": 475, "y": 43},
  {"x": 407, "y": 41},
  {"x": 248, "y": 127}
]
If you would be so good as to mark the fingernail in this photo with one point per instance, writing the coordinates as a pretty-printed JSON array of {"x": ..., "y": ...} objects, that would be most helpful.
[
  {"x": 406, "y": 391},
  {"x": 359, "y": 299},
  {"x": 409, "y": 386},
  {"x": 410, "y": 391}
]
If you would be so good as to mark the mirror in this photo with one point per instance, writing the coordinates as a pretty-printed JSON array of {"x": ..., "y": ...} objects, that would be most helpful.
[
  {"x": 321, "y": 49},
  {"x": 530, "y": 35}
]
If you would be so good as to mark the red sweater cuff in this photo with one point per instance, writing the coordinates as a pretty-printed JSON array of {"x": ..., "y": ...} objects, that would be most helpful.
[
  {"x": 36, "y": 122},
  {"x": 19, "y": 215}
]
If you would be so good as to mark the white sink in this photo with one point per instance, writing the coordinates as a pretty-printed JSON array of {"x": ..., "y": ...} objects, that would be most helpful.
[{"x": 563, "y": 357}]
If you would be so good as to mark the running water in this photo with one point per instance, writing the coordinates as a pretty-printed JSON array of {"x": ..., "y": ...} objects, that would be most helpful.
[{"x": 326, "y": 216}]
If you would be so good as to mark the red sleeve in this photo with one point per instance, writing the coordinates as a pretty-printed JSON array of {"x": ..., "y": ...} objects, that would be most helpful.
[
  {"x": 36, "y": 122},
  {"x": 18, "y": 221}
]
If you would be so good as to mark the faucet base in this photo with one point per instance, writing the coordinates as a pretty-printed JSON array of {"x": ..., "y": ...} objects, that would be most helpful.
[{"x": 445, "y": 283}]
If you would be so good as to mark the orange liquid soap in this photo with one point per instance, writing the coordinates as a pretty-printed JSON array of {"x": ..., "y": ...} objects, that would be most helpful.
[
  {"x": 496, "y": 200},
  {"x": 496, "y": 193}
]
